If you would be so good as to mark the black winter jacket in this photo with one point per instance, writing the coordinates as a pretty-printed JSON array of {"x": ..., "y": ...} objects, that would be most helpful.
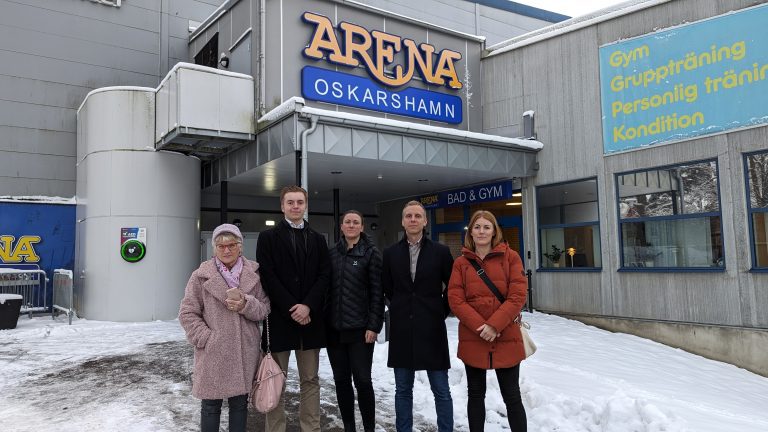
[{"x": 356, "y": 297}]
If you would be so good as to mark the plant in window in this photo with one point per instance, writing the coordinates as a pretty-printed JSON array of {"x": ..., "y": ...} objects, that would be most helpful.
[{"x": 554, "y": 256}]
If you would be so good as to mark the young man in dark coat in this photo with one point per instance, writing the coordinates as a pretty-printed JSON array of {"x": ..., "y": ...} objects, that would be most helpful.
[
  {"x": 415, "y": 273},
  {"x": 295, "y": 272}
]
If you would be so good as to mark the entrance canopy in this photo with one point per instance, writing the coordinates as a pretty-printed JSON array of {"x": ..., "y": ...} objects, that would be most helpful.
[{"x": 367, "y": 158}]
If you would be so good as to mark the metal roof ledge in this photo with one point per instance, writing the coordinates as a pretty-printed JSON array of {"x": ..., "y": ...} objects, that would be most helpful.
[
  {"x": 365, "y": 139},
  {"x": 298, "y": 105}
]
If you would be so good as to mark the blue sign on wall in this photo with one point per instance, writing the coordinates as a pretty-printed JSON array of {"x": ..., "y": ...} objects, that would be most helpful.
[
  {"x": 475, "y": 194},
  {"x": 693, "y": 80},
  {"x": 344, "y": 89},
  {"x": 33, "y": 234}
]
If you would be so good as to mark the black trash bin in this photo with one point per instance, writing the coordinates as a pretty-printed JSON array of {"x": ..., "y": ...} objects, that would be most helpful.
[{"x": 10, "y": 306}]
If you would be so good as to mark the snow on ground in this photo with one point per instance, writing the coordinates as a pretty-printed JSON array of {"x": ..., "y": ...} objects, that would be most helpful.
[{"x": 103, "y": 376}]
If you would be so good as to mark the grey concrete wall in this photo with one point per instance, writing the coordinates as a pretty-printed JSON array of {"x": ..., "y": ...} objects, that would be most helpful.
[
  {"x": 559, "y": 79},
  {"x": 743, "y": 347},
  {"x": 52, "y": 53}
]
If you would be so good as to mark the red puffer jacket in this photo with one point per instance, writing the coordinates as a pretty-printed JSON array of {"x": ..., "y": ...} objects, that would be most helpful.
[{"x": 473, "y": 302}]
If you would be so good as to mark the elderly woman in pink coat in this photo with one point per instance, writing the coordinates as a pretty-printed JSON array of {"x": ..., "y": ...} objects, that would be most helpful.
[{"x": 222, "y": 305}]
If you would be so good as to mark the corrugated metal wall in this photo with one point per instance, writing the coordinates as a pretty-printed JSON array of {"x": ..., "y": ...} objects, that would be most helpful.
[
  {"x": 52, "y": 53},
  {"x": 465, "y": 16},
  {"x": 559, "y": 79}
]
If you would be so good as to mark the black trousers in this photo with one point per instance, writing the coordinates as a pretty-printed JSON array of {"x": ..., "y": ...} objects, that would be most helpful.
[
  {"x": 510, "y": 392},
  {"x": 353, "y": 361},
  {"x": 210, "y": 414}
]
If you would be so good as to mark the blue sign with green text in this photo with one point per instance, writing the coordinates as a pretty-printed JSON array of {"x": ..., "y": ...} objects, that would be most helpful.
[{"x": 688, "y": 81}]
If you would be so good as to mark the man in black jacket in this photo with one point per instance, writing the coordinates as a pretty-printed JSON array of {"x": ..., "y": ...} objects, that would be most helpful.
[
  {"x": 415, "y": 273},
  {"x": 295, "y": 272}
]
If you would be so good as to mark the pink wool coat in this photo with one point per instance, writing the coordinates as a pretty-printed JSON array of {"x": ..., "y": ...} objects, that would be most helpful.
[{"x": 226, "y": 342}]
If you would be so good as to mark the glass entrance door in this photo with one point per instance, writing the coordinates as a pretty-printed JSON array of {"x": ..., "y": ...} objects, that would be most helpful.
[{"x": 449, "y": 223}]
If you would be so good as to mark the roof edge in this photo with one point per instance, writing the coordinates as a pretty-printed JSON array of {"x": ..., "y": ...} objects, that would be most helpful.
[
  {"x": 571, "y": 25},
  {"x": 298, "y": 105},
  {"x": 523, "y": 9}
]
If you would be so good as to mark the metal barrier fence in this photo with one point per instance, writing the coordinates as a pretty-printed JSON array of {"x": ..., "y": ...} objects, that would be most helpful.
[
  {"x": 32, "y": 285},
  {"x": 63, "y": 299}
]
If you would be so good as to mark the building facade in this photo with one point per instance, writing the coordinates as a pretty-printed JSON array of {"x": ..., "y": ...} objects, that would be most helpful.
[
  {"x": 98, "y": 104},
  {"x": 652, "y": 171},
  {"x": 624, "y": 151}
]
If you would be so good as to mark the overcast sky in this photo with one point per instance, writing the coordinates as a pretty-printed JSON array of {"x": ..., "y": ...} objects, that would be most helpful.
[{"x": 572, "y": 8}]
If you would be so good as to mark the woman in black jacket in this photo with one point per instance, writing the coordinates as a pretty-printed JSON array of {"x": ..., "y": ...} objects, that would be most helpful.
[{"x": 355, "y": 316}]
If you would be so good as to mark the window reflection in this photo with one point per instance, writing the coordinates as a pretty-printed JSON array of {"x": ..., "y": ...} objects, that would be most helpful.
[
  {"x": 685, "y": 189},
  {"x": 757, "y": 168},
  {"x": 757, "y": 185},
  {"x": 679, "y": 222}
]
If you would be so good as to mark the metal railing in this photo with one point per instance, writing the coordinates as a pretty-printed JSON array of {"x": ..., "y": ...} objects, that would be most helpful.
[
  {"x": 32, "y": 285},
  {"x": 63, "y": 298}
]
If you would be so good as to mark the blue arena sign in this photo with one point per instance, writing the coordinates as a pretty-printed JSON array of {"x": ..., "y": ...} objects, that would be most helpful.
[{"x": 344, "y": 89}]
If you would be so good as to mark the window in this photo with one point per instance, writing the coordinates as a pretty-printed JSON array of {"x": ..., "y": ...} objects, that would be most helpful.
[
  {"x": 449, "y": 214},
  {"x": 670, "y": 218},
  {"x": 569, "y": 227},
  {"x": 757, "y": 206},
  {"x": 208, "y": 56}
]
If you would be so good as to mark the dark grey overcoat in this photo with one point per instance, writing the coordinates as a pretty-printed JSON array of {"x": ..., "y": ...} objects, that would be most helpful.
[{"x": 417, "y": 309}]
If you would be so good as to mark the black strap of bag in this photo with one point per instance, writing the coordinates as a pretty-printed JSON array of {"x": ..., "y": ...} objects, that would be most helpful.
[{"x": 487, "y": 280}]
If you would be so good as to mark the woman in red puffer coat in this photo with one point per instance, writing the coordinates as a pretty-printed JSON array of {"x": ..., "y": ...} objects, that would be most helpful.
[{"x": 489, "y": 337}]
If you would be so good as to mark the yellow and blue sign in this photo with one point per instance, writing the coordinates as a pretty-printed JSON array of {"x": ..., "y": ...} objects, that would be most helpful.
[
  {"x": 688, "y": 81},
  {"x": 37, "y": 235},
  {"x": 19, "y": 250},
  {"x": 376, "y": 52}
]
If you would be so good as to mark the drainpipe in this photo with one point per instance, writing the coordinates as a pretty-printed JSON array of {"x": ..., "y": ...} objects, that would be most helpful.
[
  {"x": 303, "y": 143},
  {"x": 262, "y": 50}
]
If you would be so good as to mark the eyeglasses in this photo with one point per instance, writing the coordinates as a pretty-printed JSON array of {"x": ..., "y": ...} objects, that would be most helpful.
[{"x": 224, "y": 247}]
